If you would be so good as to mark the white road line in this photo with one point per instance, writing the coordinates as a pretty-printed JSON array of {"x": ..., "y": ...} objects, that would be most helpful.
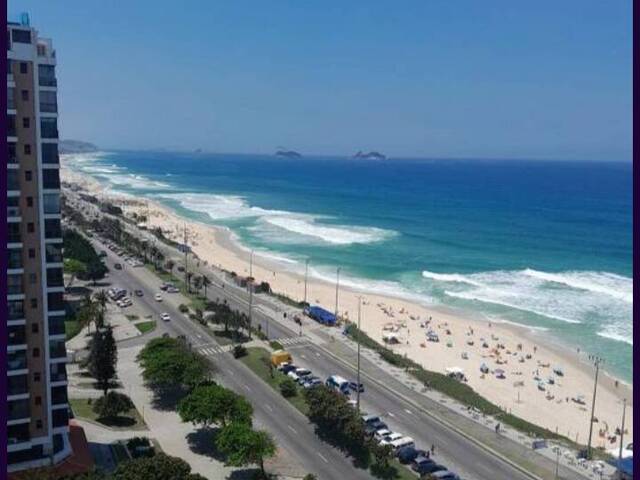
[
  {"x": 391, "y": 414},
  {"x": 302, "y": 356},
  {"x": 292, "y": 429},
  {"x": 247, "y": 387},
  {"x": 317, "y": 354},
  {"x": 408, "y": 411},
  {"x": 322, "y": 457},
  {"x": 268, "y": 407}
]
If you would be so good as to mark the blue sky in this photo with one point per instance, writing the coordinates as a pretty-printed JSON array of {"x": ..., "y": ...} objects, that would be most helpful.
[{"x": 498, "y": 79}]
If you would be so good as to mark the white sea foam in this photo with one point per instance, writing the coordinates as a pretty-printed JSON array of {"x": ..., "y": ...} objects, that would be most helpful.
[
  {"x": 134, "y": 181},
  {"x": 601, "y": 299},
  {"x": 278, "y": 225}
]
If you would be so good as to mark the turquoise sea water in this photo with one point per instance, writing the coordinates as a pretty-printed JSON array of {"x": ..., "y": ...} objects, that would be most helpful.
[{"x": 544, "y": 244}]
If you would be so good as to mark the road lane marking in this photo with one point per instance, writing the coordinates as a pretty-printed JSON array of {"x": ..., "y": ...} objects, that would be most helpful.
[
  {"x": 268, "y": 407},
  {"x": 391, "y": 414},
  {"x": 322, "y": 457},
  {"x": 292, "y": 429},
  {"x": 247, "y": 387},
  {"x": 408, "y": 411}
]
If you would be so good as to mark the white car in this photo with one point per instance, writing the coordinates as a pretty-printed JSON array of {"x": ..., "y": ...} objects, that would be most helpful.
[
  {"x": 389, "y": 439},
  {"x": 165, "y": 316},
  {"x": 381, "y": 434},
  {"x": 293, "y": 375},
  {"x": 158, "y": 297}
]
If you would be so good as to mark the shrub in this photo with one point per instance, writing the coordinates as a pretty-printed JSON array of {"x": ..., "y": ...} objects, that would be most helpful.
[
  {"x": 183, "y": 308},
  {"x": 112, "y": 405},
  {"x": 288, "y": 388},
  {"x": 239, "y": 351},
  {"x": 276, "y": 345}
]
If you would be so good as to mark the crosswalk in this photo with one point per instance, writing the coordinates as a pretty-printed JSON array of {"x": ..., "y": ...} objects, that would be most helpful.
[
  {"x": 301, "y": 340},
  {"x": 210, "y": 350}
]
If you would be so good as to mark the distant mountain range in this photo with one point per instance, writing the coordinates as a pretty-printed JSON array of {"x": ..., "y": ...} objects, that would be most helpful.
[
  {"x": 76, "y": 146},
  {"x": 370, "y": 155}
]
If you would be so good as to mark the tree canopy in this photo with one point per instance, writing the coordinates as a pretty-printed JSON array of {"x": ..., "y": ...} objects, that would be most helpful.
[
  {"x": 158, "y": 467},
  {"x": 112, "y": 404},
  {"x": 213, "y": 404},
  {"x": 78, "y": 248},
  {"x": 103, "y": 356},
  {"x": 244, "y": 446}
]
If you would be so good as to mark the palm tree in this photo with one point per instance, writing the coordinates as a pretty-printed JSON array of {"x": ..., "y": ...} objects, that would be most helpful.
[
  {"x": 205, "y": 283},
  {"x": 101, "y": 297}
]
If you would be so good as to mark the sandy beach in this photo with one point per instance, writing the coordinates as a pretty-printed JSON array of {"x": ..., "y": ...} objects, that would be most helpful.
[{"x": 526, "y": 357}]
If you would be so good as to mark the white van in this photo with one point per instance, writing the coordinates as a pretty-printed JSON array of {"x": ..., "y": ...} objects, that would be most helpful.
[
  {"x": 338, "y": 383},
  {"x": 401, "y": 443}
]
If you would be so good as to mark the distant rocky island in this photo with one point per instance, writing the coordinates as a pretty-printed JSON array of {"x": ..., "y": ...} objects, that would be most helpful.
[
  {"x": 370, "y": 155},
  {"x": 288, "y": 154},
  {"x": 76, "y": 146}
]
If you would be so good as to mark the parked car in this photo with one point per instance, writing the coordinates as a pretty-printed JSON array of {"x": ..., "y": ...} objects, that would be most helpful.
[
  {"x": 117, "y": 266},
  {"x": 139, "y": 293},
  {"x": 158, "y": 297},
  {"x": 392, "y": 437},
  {"x": 381, "y": 434},
  {"x": 420, "y": 460},
  {"x": 165, "y": 316},
  {"x": 303, "y": 374},
  {"x": 444, "y": 475},
  {"x": 311, "y": 382},
  {"x": 293, "y": 375},
  {"x": 409, "y": 454},
  {"x": 354, "y": 386},
  {"x": 429, "y": 468}
]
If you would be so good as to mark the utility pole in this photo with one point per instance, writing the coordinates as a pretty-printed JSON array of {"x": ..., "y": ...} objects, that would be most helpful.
[
  {"x": 306, "y": 274},
  {"x": 624, "y": 408},
  {"x": 337, "y": 286},
  {"x": 358, "y": 375},
  {"x": 186, "y": 259},
  {"x": 251, "y": 264},
  {"x": 597, "y": 361}
]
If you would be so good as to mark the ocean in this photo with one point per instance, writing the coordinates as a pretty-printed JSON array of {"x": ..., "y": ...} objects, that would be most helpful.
[{"x": 545, "y": 244}]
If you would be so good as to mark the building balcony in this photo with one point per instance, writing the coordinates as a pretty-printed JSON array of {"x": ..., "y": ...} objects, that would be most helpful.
[
  {"x": 17, "y": 385},
  {"x": 59, "y": 395},
  {"x": 60, "y": 417},
  {"x": 16, "y": 336},
  {"x": 18, "y": 410},
  {"x": 16, "y": 360},
  {"x": 57, "y": 349},
  {"x": 13, "y": 211},
  {"x": 18, "y": 434},
  {"x": 58, "y": 372}
]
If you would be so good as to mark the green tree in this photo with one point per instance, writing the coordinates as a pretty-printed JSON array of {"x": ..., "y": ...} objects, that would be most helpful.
[
  {"x": 212, "y": 404},
  {"x": 112, "y": 405},
  {"x": 244, "y": 446},
  {"x": 288, "y": 388},
  {"x": 75, "y": 268},
  {"x": 158, "y": 467},
  {"x": 168, "y": 364},
  {"x": 103, "y": 356},
  {"x": 205, "y": 283}
]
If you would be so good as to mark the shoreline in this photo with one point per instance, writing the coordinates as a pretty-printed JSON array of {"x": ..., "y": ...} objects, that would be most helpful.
[{"x": 219, "y": 246}]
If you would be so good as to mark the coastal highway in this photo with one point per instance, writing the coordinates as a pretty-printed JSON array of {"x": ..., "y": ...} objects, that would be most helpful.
[
  {"x": 290, "y": 428},
  {"x": 277, "y": 416}
]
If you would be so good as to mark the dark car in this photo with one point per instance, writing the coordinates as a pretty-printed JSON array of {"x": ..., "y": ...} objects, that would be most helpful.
[
  {"x": 409, "y": 454},
  {"x": 139, "y": 293},
  {"x": 354, "y": 386},
  {"x": 427, "y": 468},
  {"x": 288, "y": 368},
  {"x": 373, "y": 427},
  {"x": 117, "y": 266}
]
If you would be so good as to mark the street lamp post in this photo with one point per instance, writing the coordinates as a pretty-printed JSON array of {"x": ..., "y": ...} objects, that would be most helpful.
[
  {"x": 251, "y": 264},
  {"x": 306, "y": 274},
  {"x": 358, "y": 375},
  {"x": 337, "y": 286},
  {"x": 624, "y": 408},
  {"x": 598, "y": 360}
]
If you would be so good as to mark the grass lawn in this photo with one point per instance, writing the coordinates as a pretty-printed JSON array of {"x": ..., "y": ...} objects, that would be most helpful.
[
  {"x": 258, "y": 360},
  {"x": 131, "y": 317},
  {"x": 131, "y": 420},
  {"x": 71, "y": 328},
  {"x": 145, "y": 327}
]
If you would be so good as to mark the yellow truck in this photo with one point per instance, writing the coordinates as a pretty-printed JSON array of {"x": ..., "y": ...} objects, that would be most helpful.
[{"x": 280, "y": 356}]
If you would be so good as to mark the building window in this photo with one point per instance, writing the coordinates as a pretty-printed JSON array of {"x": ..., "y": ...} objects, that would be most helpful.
[
  {"x": 36, "y": 376},
  {"x": 11, "y": 104},
  {"x": 31, "y": 227},
  {"x": 11, "y": 125},
  {"x": 55, "y": 301},
  {"x": 24, "y": 94},
  {"x": 15, "y": 258},
  {"x": 13, "y": 206},
  {"x": 53, "y": 252},
  {"x": 12, "y": 180},
  {"x": 32, "y": 253},
  {"x": 34, "y": 303},
  {"x": 26, "y": 122},
  {"x": 14, "y": 284},
  {"x": 51, "y": 202},
  {"x": 14, "y": 235},
  {"x": 39, "y": 424},
  {"x": 52, "y": 228},
  {"x": 35, "y": 353},
  {"x": 11, "y": 147},
  {"x": 16, "y": 309},
  {"x": 28, "y": 175},
  {"x": 51, "y": 178},
  {"x": 33, "y": 278},
  {"x": 54, "y": 277},
  {"x": 30, "y": 202},
  {"x": 48, "y": 102},
  {"x": 27, "y": 149},
  {"x": 50, "y": 153},
  {"x": 24, "y": 67},
  {"x": 35, "y": 328},
  {"x": 38, "y": 400},
  {"x": 46, "y": 76},
  {"x": 49, "y": 128},
  {"x": 21, "y": 36}
]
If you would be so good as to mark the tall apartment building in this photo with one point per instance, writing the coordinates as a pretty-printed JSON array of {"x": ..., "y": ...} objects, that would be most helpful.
[{"x": 37, "y": 424}]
